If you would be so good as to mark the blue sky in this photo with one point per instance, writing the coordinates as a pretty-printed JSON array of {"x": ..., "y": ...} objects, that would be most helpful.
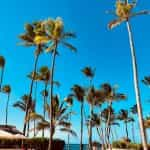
[{"x": 107, "y": 51}]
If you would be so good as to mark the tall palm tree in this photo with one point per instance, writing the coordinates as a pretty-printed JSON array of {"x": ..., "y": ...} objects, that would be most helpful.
[
  {"x": 69, "y": 101},
  {"x": 124, "y": 13},
  {"x": 89, "y": 73},
  {"x": 35, "y": 77},
  {"x": 79, "y": 93},
  {"x": 2, "y": 65},
  {"x": 7, "y": 89},
  {"x": 55, "y": 35},
  {"x": 32, "y": 37},
  {"x": 44, "y": 76}
]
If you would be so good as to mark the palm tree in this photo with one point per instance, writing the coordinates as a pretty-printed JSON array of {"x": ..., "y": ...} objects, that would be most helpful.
[
  {"x": 79, "y": 93},
  {"x": 124, "y": 14},
  {"x": 55, "y": 35},
  {"x": 2, "y": 65},
  {"x": 7, "y": 89},
  {"x": 44, "y": 76},
  {"x": 21, "y": 104},
  {"x": 133, "y": 111},
  {"x": 32, "y": 37},
  {"x": 35, "y": 77},
  {"x": 124, "y": 116},
  {"x": 110, "y": 95},
  {"x": 89, "y": 73},
  {"x": 60, "y": 118},
  {"x": 69, "y": 101}
]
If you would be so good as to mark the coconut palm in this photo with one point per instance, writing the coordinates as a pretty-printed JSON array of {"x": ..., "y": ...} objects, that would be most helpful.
[
  {"x": 35, "y": 77},
  {"x": 124, "y": 13},
  {"x": 105, "y": 114},
  {"x": 55, "y": 35},
  {"x": 89, "y": 72},
  {"x": 2, "y": 65},
  {"x": 79, "y": 93},
  {"x": 60, "y": 118},
  {"x": 21, "y": 104},
  {"x": 110, "y": 95},
  {"x": 31, "y": 37},
  {"x": 7, "y": 89},
  {"x": 44, "y": 76},
  {"x": 69, "y": 101},
  {"x": 124, "y": 116},
  {"x": 133, "y": 111}
]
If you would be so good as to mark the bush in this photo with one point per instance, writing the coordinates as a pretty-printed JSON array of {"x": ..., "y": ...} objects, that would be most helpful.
[
  {"x": 127, "y": 145},
  {"x": 35, "y": 143}
]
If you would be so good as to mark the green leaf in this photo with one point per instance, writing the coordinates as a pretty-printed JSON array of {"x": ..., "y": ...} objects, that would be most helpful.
[{"x": 69, "y": 46}]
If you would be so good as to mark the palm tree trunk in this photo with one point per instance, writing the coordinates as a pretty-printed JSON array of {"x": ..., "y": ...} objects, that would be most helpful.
[
  {"x": 90, "y": 127},
  {"x": 133, "y": 136},
  {"x": 51, "y": 96},
  {"x": 108, "y": 124},
  {"x": 1, "y": 80},
  {"x": 126, "y": 127},
  {"x": 30, "y": 94},
  {"x": 136, "y": 87},
  {"x": 28, "y": 128},
  {"x": 6, "y": 119},
  {"x": 112, "y": 134},
  {"x": 44, "y": 110},
  {"x": 68, "y": 133},
  {"x": 81, "y": 124},
  {"x": 35, "y": 97},
  {"x": 101, "y": 136}
]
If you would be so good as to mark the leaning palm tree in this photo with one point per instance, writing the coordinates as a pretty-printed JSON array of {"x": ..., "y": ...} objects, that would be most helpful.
[
  {"x": 32, "y": 37},
  {"x": 89, "y": 73},
  {"x": 124, "y": 13},
  {"x": 55, "y": 35},
  {"x": 7, "y": 89},
  {"x": 79, "y": 93},
  {"x": 2, "y": 65}
]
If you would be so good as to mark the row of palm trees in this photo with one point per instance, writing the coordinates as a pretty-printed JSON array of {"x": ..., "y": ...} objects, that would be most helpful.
[{"x": 48, "y": 36}]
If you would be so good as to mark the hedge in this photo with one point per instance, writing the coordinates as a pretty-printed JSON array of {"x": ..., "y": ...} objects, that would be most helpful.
[
  {"x": 128, "y": 145},
  {"x": 35, "y": 143}
]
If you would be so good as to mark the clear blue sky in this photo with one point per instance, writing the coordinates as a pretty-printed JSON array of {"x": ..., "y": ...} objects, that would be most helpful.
[{"x": 107, "y": 51}]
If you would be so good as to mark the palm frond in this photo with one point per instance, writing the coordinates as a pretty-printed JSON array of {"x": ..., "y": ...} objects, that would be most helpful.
[
  {"x": 57, "y": 83},
  {"x": 42, "y": 125},
  {"x": 64, "y": 124},
  {"x": 68, "y": 35},
  {"x": 69, "y": 46},
  {"x": 71, "y": 132},
  {"x": 143, "y": 12},
  {"x": 115, "y": 23},
  {"x": 20, "y": 105},
  {"x": 34, "y": 116}
]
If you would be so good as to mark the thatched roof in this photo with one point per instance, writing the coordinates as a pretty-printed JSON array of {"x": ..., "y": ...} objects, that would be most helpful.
[{"x": 10, "y": 129}]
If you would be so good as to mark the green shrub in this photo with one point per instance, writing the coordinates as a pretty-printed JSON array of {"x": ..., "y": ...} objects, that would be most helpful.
[
  {"x": 36, "y": 143},
  {"x": 129, "y": 145}
]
